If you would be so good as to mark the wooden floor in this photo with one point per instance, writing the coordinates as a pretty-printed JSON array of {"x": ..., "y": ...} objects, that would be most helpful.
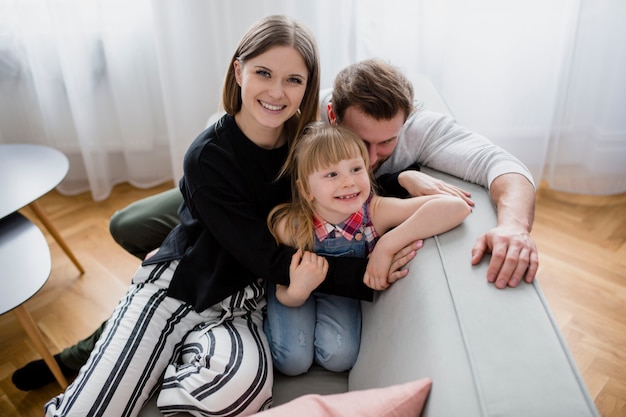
[{"x": 582, "y": 243}]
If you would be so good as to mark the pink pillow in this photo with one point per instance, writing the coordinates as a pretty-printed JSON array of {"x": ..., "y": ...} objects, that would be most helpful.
[{"x": 403, "y": 400}]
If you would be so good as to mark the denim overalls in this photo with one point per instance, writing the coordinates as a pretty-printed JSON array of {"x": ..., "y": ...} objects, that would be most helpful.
[{"x": 325, "y": 329}]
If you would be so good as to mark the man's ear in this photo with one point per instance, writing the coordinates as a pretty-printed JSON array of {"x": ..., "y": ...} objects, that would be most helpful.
[{"x": 332, "y": 117}]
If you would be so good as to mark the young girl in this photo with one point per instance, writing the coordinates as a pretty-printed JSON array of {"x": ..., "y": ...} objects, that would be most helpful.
[
  {"x": 334, "y": 212},
  {"x": 190, "y": 323}
]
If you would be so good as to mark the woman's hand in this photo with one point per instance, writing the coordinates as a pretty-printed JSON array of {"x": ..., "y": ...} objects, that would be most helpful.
[
  {"x": 151, "y": 253},
  {"x": 401, "y": 259},
  {"x": 377, "y": 277}
]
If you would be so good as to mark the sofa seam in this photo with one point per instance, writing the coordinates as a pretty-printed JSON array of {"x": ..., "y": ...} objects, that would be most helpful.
[{"x": 477, "y": 386}]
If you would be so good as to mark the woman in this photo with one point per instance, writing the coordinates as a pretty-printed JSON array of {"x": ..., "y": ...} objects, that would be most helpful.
[{"x": 204, "y": 285}]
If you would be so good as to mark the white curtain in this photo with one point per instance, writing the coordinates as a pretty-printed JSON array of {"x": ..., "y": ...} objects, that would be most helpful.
[{"x": 122, "y": 87}]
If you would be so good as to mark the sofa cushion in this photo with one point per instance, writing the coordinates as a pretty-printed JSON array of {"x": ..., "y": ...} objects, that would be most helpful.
[
  {"x": 402, "y": 400},
  {"x": 494, "y": 352}
]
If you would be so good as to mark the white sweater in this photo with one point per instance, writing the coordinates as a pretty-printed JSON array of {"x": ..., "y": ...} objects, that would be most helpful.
[{"x": 435, "y": 140}]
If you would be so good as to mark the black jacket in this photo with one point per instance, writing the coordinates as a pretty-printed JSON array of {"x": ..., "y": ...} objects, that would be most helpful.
[{"x": 223, "y": 243}]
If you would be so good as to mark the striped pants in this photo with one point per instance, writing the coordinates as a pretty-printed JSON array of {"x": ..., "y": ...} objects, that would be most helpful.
[{"x": 215, "y": 363}]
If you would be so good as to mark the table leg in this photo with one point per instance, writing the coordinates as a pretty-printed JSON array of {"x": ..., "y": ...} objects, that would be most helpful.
[
  {"x": 27, "y": 322},
  {"x": 55, "y": 234}
]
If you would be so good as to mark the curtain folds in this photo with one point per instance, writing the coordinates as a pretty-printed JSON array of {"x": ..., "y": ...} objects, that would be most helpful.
[{"x": 122, "y": 88}]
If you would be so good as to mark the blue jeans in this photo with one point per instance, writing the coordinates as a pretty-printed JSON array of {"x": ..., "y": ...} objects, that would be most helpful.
[{"x": 325, "y": 329}]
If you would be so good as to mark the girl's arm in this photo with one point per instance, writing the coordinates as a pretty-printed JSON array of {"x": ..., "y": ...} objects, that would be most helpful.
[{"x": 411, "y": 219}]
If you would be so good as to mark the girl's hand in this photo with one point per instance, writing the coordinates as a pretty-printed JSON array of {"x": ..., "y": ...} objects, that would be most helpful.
[
  {"x": 378, "y": 267},
  {"x": 307, "y": 271}
]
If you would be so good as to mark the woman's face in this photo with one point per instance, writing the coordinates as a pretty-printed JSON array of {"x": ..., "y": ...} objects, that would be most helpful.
[
  {"x": 272, "y": 87},
  {"x": 339, "y": 190}
]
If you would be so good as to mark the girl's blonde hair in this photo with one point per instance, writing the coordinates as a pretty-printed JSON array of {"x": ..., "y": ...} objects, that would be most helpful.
[
  {"x": 319, "y": 146},
  {"x": 267, "y": 33}
]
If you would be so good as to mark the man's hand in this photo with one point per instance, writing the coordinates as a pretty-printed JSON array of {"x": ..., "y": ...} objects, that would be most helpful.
[
  {"x": 418, "y": 183},
  {"x": 514, "y": 256}
]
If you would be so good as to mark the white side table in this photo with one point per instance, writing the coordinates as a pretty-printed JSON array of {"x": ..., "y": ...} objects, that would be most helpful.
[
  {"x": 25, "y": 264},
  {"x": 27, "y": 172}
]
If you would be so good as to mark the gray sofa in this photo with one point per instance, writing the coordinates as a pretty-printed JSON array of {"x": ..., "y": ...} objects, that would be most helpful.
[{"x": 489, "y": 352}]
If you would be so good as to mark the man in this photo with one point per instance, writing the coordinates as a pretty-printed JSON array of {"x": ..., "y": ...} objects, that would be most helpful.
[
  {"x": 375, "y": 101},
  {"x": 365, "y": 99}
]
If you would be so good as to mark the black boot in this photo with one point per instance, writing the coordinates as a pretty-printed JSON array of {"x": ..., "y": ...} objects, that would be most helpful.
[{"x": 36, "y": 374}]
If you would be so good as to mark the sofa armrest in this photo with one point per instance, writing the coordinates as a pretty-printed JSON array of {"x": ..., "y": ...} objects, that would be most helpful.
[{"x": 489, "y": 352}]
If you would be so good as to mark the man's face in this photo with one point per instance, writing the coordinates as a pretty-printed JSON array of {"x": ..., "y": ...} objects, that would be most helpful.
[{"x": 380, "y": 136}]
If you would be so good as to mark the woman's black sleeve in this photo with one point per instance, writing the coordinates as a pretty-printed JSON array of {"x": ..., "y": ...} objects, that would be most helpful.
[
  {"x": 388, "y": 185},
  {"x": 345, "y": 278}
]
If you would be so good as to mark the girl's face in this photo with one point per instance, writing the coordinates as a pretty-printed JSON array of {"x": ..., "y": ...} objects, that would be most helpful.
[
  {"x": 272, "y": 87},
  {"x": 339, "y": 190}
]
